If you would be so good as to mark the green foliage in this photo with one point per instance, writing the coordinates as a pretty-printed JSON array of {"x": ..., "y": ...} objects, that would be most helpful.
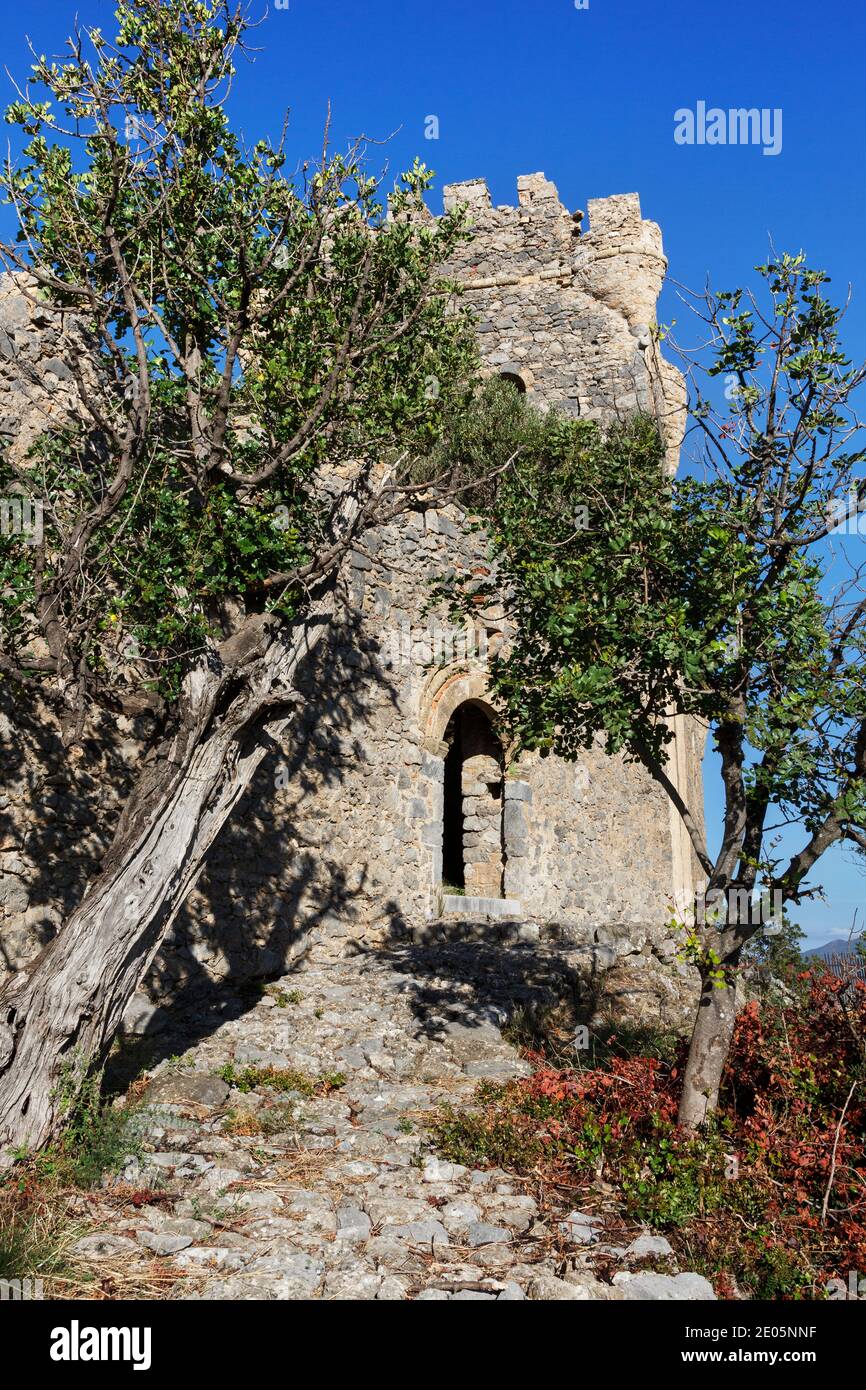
[
  {"x": 695, "y": 951},
  {"x": 481, "y": 437},
  {"x": 585, "y": 1126},
  {"x": 283, "y": 997},
  {"x": 281, "y": 1079},
  {"x": 574, "y": 524},
  {"x": 96, "y": 1139},
  {"x": 611, "y": 1041},
  {"x": 636, "y": 596},
  {"x": 251, "y": 326},
  {"x": 172, "y": 555},
  {"x": 37, "y": 1228},
  {"x": 744, "y": 1200},
  {"x": 473, "y": 1141}
]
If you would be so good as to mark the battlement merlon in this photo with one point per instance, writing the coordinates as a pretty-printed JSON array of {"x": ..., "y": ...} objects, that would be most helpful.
[
  {"x": 618, "y": 260},
  {"x": 533, "y": 190},
  {"x": 567, "y": 311}
]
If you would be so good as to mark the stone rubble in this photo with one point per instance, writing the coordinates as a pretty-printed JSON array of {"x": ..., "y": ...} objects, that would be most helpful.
[{"x": 341, "y": 1196}]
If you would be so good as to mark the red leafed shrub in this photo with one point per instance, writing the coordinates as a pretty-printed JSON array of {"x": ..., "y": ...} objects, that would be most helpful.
[
  {"x": 770, "y": 1201},
  {"x": 630, "y": 1090},
  {"x": 795, "y": 1095}
]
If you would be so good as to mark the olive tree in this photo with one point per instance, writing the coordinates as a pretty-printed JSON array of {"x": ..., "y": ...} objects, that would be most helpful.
[{"x": 264, "y": 341}]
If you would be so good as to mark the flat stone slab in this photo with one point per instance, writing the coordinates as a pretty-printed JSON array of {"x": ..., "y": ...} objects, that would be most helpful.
[
  {"x": 664, "y": 1287},
  {"x": 188, "y": 1088},
  {"x": 648, "y": 1247},
  {"x": 103, "y": 1246},
  {"x": 580, "y": 1228},
  {"x": 453, "y": 903},
  {"x": 483, "y": 1233},
  {"x": 163, "y": 1242}
]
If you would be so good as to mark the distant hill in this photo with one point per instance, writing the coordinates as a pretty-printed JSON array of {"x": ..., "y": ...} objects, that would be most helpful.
[{"x": 840, "y": 946}]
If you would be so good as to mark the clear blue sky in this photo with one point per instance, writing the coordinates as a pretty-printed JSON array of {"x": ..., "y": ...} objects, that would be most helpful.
[{"x": 588, "y": 96}]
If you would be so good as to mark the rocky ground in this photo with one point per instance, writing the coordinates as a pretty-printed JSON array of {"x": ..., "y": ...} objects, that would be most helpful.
[{"x": 281, "y": 1194}]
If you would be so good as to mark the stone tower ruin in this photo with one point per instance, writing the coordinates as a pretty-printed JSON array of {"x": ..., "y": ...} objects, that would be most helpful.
[{"x": 397, "y": 807}]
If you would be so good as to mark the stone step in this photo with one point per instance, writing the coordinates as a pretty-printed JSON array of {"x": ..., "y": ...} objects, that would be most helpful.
[{"x": 460, "y": 905}]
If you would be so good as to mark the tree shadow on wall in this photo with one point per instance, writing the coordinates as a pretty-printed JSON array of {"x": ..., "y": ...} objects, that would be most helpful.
[
  {"x": 474, "y": 984},
  {"x": 58, "y": 811},
  {"x": 269, "y": 881},
  {"x": 270, "y": 886}
]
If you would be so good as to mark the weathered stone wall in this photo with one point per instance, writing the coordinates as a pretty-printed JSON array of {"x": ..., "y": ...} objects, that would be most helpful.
[
  {"x": 483, "y": 812},
  {"x": 570, "y": 314},
  {"x": 46, "y": 364},
  {"x": 343, "y": 830},
  {"x": 341, "y": 834}
]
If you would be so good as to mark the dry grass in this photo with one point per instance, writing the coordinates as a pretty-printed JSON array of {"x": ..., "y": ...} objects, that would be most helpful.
[
  {"x": 299, "y": 1168},
  {"x": 37, "y": 1235},
  {"x": 114, "y": 1278},
  {"x": 242, "y": 1124},
  {"x": 40, "y": 1226}
]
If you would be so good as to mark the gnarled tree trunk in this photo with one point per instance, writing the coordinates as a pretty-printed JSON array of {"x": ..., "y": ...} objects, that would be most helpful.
[
  {"x": 708, "y": 1052},
  {"x": 59, "y": 1015}
]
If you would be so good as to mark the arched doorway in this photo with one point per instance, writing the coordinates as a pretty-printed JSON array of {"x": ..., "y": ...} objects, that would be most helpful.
[{"x": 473, "y": 858}]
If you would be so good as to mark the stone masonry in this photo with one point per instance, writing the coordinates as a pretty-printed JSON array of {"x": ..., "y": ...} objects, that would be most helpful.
[
  {"x": 244, "y": 1191},
  {"x": 569, "y": 314},
  {"x": 344, "y": 833}
]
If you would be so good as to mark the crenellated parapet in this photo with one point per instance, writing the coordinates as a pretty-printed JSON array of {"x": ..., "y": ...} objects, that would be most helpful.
[{"x": 568, "y": 312}]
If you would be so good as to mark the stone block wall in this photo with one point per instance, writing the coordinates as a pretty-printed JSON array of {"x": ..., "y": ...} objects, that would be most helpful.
[
  {"x": 341, "y": 833},
  {"x": 355, "y": 804},
  {"x": 483, "y": 829},
  {"x": 569, "y": 314},
  {"x": 46, "y": 367}
]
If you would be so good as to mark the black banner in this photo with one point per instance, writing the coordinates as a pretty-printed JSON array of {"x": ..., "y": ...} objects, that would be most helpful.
[{"x": 83, "y": 1339}]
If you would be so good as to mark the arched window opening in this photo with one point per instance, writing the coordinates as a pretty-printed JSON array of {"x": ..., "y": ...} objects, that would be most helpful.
[
  {"x": 473, "y": 858},
  {"x": 514, "y": 379}
]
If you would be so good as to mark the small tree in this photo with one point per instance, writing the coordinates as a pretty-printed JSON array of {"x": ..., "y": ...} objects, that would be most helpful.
[
  {"x": 636, "y": 598},
  {"x": 264, "y": 346}
]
